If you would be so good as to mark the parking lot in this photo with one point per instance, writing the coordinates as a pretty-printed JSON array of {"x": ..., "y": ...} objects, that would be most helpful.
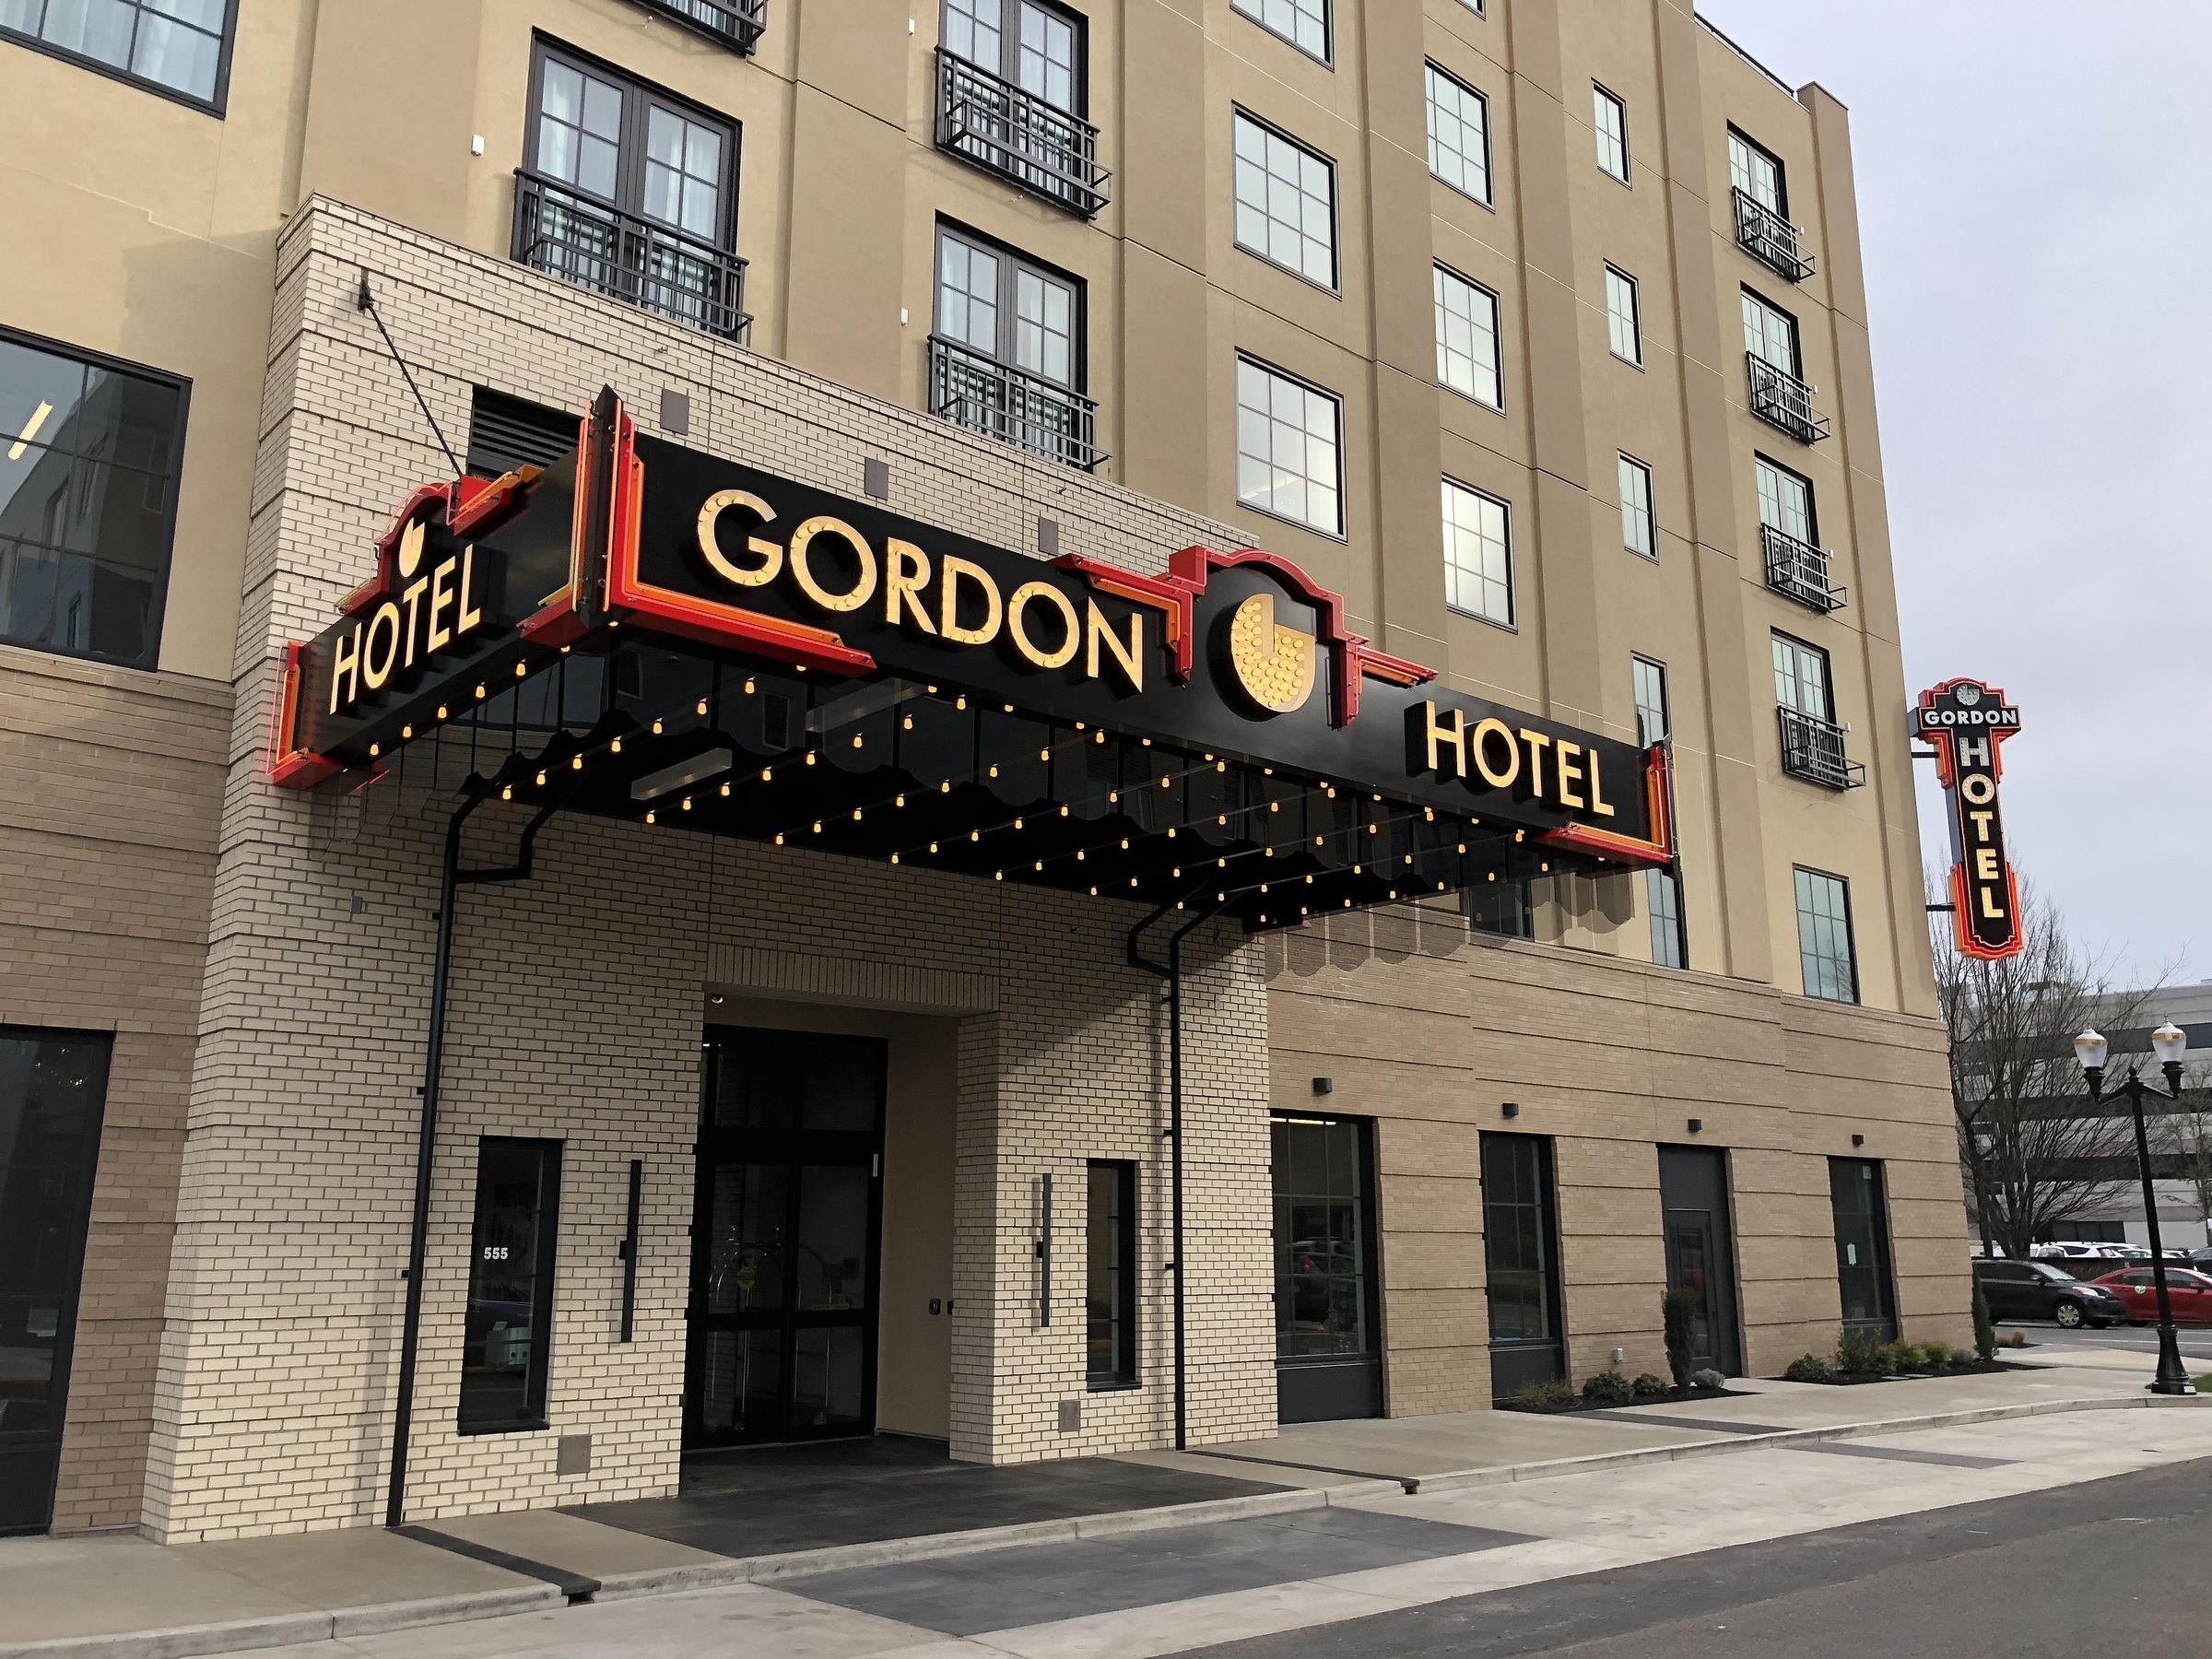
[{"x": 2050, "y": 1341}]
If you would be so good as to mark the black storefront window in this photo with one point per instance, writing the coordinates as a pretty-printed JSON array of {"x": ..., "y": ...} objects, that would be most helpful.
[
  {"x": 1110, "y": 1275},
  {"x": 1863, "y": 1277},
  {"x": 89, "y": 451},
  {"x": 52, "y": 1087},
  {"x": 178, "y": 48},
  {"x": 508, "y": 1337},
  {"x": 1506, "y": 908},
  {"x": 1519, "y": 1230}
]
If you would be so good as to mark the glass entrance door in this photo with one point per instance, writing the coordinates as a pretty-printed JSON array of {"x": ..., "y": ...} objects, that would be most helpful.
[
  {"x": 52, "y": 1087},
  {"x": 1862, "y": 1281},
  {"x": 1328, "y": 1350},
  {"x": 785, "y": 1238},
  {"x": 1700, "y": 1253}
]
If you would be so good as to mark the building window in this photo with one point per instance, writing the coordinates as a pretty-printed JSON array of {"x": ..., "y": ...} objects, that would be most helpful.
[
  {"x": 1518, "y": 1238},
  {"x": 1757, "y": 173},
  {"x": 507, "y": 1337},
  {"x": 1662, "y": 888},
  {"x": 1770, "y": 336},
  {"x": 1110, "y": 1276},
  {"x": 1285, "y": 201},
  {"x": 1624, "y": 323},
  {"x": 1466, "y": 340},
  {"x": 1862, "y": 1219},
  {"x": 1478, "y": 554},
  {"x": 1801, "y": 679},
  {"x": 1289, "y": 449},
  {"x": 178, "y": 47},
  {"x": 1006, "y": 354},
  {"x": 1785, "y": 502},
  {"x": 630, "y": 192},
  {"x": 1012, "y": 90},
  {"x": 1303, "y": 23},
  {"x": 90, "y": 451},
  {"x": 1636, "y": 532},
  {"x": 1506, "y": 908},
  {"x": 1459, "y": 135},
  {"x": 1824, "y": 937},
  {"x": 1609, "y": 116}
]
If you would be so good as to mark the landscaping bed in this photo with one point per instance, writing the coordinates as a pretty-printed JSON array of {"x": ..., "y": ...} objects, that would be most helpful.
[
  {"x": 1859, "y": 1358},
  {"x": 1563, "y": 1401},
  {"x": 1967, "y": 1368}
]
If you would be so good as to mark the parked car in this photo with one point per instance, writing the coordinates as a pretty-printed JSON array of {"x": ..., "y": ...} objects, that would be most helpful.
[
  {"x": 2061, "y": 1249},
  {"x": 2190, "y": 1293},
  {"x": 2040, "y": 1290},
  {"x": 2199, "y": 1258}
]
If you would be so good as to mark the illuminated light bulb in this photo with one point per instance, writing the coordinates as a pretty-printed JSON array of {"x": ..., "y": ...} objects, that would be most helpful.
[
  {"x": 1220, "y": 863},
  {"x": 441, "y": 711},
  {"x": 1147, "y": 742},
  {"x": 768, "y": 774},
  {"x": 521, "y": 669},
  {"x": 1408, "y": 858},
  {"x": 1220, "y": 766},
  {"x": 541, "y": 779},
  {"x": 1428, "y": 814},
  {"x": 1309, "y": 881},
  {"x": 1124, "y": 843},
  {"x": 1220, "y": 817},
  {"x": 1017, "y": 823},
  {"x": 725, "y": 792},
  {"x": 1044, "y": 753},
  {"x": 1132, "y": 881},
  {"x": 779, "y": 838},
  {"x": 994, "y": 770},
  {"x": 1547, "y": 867},
  {"x": 960, "y": 703},
  {"x": 1039, "y": 866},
  {"x": 856, "y": 815},
  {"x": 1439, "y": 886},
  {"x": 1176, "y": 873},
  {"x": 1099, "y": 737},
  {"x": 1358, "y": 869},
  {"x": 933, "y": 690},
  {"x": 375, "y": 750},
  {"x": 686, "y": 803},
  {"x": 575, "y": 762},
  {"x": 1079, "y": 726},
  {"x": 856, "y": 740},
  {"x": 817, "y": 825},
  {"x": 506, "y": 794},
  {"x": 1178, "y": 904},
  {"x": 748, "y": 687},
  {"x": 1263, "y": 887},
  {"x": 479, "y": 690},
  {"x": 1463, "y": 846},
  {"x": 1492, "y": 876},
  {"x": 1304, "y": 911},
  {"x": 1063, "y": 811},
  {"x": 615, "y": 748},
  {"x": 1518, "y": 834},
  {"x": 945, "y": 787},
  {"x": 701, "y": 707},
  {"x": 933, "y": 846},
  {"x": 1220, "y": 898},
  {"x": 898, "y": 800},
  {"x": 975, "y": 835},
  {"x": 894, "y": 858},
  {"x": 564, "y": 651},
  {"x": 650, "y": 818},
  {"x": 1266, "y": 771},
  {"x": 1348, "y": 904},
  {"x": 1078, "y": 855},
  {"x": 406, "y": 732},
  {"x": 1394, "y": 892},
  {"x": 1274, "y": 805},
  {"x": 656, "y": 728},
  {"x": 809, "y": 757},
  {"x": 1094, "y": 892},
  {"x": 1370, "y": 829},
  {"x": 1009, "y": 708},
  {"x": 614, "y": 624},
  {"x": 1170, "y": 832},
  {"x": 906, "y": 723},
  {"x": 1113, "y": 797},
  {"x": 1267, "y": 852},
  {"x": 1165, "y": 782},
  {"x": 998, "y": 875}
]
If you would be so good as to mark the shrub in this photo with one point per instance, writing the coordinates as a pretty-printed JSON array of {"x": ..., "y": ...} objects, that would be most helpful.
[
  {"x": 1808, "y": 1367},
  {"x": 1677, "y": 1318},
  {"x": 1904, "y": 1356},
  {"x": 1608, "y": 1388},
  {"x": 1553, "y": 1391},
  {"x": 1938, "y": 1355},
  {"x": 1859, "y": 1354},
  {"x": 2012, "y": 1339},
  {"x": 1707, "y": 1379},
  {"x": 1648, "y": 1387},
  {"x": 1985, "y": 1329}
]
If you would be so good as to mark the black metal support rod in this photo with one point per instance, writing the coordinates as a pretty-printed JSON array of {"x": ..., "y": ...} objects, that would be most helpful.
[{"x": 366, "y": 301}]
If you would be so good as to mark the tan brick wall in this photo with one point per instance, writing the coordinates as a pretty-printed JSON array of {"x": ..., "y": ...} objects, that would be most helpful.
[{"x": 110, "y": 785}]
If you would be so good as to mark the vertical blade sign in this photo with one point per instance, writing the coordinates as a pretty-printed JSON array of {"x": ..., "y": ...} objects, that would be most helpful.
[{"x": 1965, "y": 721}]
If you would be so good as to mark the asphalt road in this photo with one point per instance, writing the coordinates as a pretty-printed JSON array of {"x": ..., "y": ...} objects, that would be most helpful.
[
  {"x": 2111, "y": 1567},
  {"x": 2050, "y": 1341}
]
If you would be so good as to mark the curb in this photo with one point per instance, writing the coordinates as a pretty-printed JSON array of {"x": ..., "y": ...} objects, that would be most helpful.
[{"x": 285, "y": 1629}]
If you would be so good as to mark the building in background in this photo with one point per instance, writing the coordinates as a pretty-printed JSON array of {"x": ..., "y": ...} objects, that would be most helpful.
[{"x": 1534, "y": 331}]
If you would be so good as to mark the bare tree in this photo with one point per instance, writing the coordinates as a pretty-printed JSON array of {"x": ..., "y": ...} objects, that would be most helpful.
[
  {"x": 2185, "y": 1138},
  {"x": 2033, "y": 1150}
]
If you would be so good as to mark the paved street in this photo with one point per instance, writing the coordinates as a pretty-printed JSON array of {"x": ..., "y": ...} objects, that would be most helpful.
[
  {"x": 1813, "y": 1546},
  {"x": 2054, "y": 1345}
]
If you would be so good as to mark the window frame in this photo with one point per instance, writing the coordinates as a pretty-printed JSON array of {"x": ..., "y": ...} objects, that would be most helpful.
[
  {"x": 1550, "y": 1271},
  {"x": 216, "y": 105},
  {"x": 1522, "y": 924},
  {"x": 1008, "y": 67},
  {"x": 1812, "y": 509},
  {"x": 1805, "y": 649},
  {"x": 630, "y": 149},
  {"x": 1128, "y": 1374},
  {"x": 1796, "y": 366},
  {"x": 1014, "y": 261},
  {"x": 1850, "y": 935},
  {"x": 158, "y": 607},
  {"x": 1619, "y": 106},
  {"x": 1651, "y": 508},
  {"x": 1439, "y": 268},
  {"x": 1341, "y": 533},
  {"x": 537, "y": 1382},
  {"x": 1666, "y": 712},
  {"x": 1781, "y": 172},
  {"x": 1635, "y": 315},
  {"x": 1335, "y": 286},
  {"x": 1252, "y": 11},
  {"x": 1488, "y": 199},
  {"x": 1511, "y": 623}
]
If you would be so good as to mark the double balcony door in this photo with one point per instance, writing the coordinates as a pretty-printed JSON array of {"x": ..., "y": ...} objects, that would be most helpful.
[{"x": 786, "y": 1238}]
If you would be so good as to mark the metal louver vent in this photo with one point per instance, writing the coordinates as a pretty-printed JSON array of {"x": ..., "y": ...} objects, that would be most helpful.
[{"x": 505, "y": 432}]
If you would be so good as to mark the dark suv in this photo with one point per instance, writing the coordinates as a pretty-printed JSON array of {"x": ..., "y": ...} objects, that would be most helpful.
[{"x": 2039, "y": 1290}]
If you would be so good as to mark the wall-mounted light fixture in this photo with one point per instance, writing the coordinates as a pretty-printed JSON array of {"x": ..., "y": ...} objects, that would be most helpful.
[
  {"x": 1510, "y": 1108},
  {"x": 1858, "y": 1140},
  {"x": 1696, "y": 1125},
  {"x": 1325, "y": 1086}
]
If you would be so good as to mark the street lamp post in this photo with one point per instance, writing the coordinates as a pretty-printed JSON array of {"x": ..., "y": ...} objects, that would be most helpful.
[{"x": 2169, "y": 1042}]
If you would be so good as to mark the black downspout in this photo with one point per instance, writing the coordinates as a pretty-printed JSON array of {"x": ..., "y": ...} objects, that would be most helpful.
[{"x": 451, "y": 877}]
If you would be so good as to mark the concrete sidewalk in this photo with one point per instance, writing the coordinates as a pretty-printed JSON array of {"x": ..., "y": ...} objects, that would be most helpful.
[{"x": 121, "y": 1596}]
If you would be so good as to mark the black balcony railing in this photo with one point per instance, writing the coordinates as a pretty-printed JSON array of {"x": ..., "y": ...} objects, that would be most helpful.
[
  {"x": 1812, "y": 748},
  {"x": 737, "y": 24},
  {"x": 1009, "y": 404},
  {"x": 648, "y": 265},
  {"x": 1799, "y": 569},
  {"x": 1770, "y": 239},
  {"x": 1017, "y": 135},
  {"x": 1784, "y": 401}
]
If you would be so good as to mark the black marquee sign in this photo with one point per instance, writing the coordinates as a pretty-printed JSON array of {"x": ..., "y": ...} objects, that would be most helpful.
[{"x": 1965, "y": 721}]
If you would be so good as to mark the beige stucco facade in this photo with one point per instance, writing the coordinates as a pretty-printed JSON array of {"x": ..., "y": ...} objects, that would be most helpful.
[{"x": 269, "y": 1033}]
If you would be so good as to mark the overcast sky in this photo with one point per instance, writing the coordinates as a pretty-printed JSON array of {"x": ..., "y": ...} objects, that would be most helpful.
[{"x": 2034, "y": 205}]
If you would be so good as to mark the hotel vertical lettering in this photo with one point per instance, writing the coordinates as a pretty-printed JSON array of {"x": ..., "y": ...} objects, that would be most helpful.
[{"x": 1965, "y": 721}]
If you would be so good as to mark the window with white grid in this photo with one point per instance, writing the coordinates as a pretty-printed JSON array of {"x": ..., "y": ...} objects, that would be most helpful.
[
  {"x": 1285, "y": 201},
  {"x": 1289, "y": 449},
  {"x": 1609, "y": 118},
  {"x": 1466, "y": 339},
  {"x": 1624, "y": 323},
  {"x": 1459, "y": 135},
  {"x": 1637, "y": 533},
  {"x": 1478, "y": 554},
  {"x": 1303, "y": 23}
]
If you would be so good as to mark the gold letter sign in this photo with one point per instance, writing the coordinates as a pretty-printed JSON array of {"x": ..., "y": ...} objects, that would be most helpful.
[{"x": 1965, "y": 721}]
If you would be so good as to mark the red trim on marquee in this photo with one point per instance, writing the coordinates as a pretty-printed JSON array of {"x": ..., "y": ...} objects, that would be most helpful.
[
  {"x": 1968, "y": 945},
  {"x": 291, "y": 767},
  {"x": 467, "y": 502},
  {"x": 1627, "y": 848}
]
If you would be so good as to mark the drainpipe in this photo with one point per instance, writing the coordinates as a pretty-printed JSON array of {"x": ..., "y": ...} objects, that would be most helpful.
[{"x": 452, "y": 878}]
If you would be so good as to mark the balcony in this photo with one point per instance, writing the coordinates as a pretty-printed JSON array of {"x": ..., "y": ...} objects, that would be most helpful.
[
  {"x": 1782, "y": 400},
  {"x": 1799, "y": 571},
  {"x": 1769, "y": 238},
  {"x": 1017, "y": 135},
  {"x": 631, "y": 259},
  {"x": 737, "y": 24},
  {"x": 1812, "y": 748},
  {"x": 1003, "y": 402}
]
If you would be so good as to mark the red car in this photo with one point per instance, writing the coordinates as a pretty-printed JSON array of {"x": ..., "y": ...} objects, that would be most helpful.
[{"x": 2190, "y": 1293}]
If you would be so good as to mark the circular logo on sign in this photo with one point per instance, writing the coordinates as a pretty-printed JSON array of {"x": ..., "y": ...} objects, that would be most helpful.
[
  {"x": 1273, "y": 664},
  {"x": 1968, "y": 696},
  {"x": 410, "y": 548}
]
